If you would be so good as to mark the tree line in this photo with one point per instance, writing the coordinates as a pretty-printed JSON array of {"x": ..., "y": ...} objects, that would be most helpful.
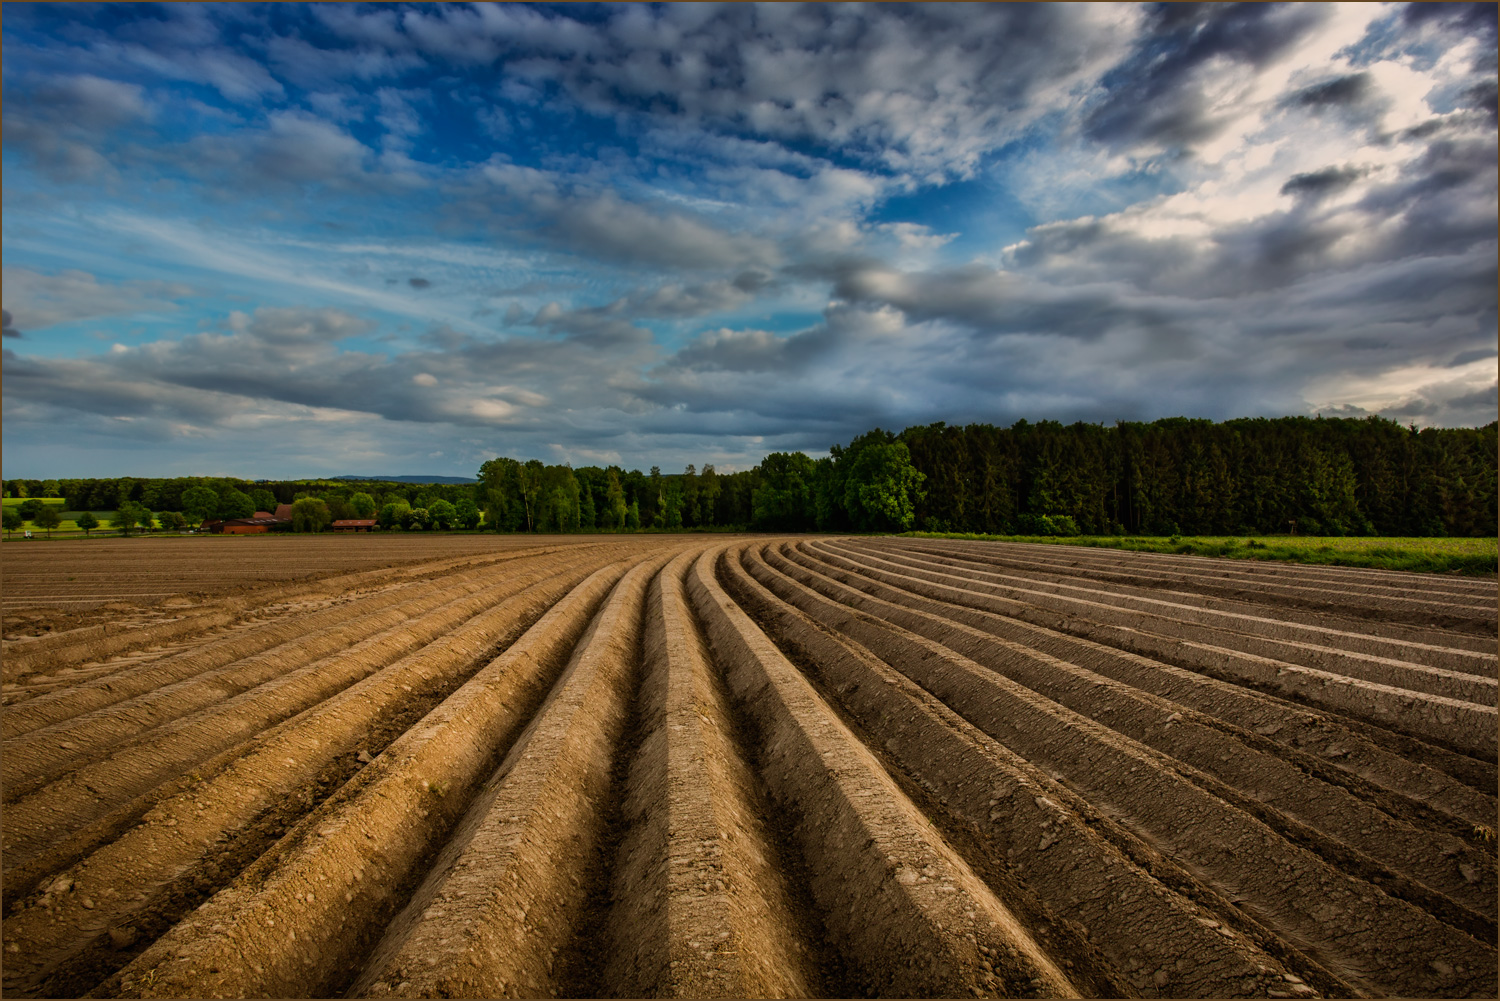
[
  {"x": 1295, "y": 475},
  {"x": 1288, "y": 475}
]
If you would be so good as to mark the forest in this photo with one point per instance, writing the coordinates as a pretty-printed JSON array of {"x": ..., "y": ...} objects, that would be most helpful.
[{"x": 1269, "y": 476}]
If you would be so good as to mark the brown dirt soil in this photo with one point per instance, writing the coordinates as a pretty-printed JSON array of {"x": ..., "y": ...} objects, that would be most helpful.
[{"x": 479, "y": 766}]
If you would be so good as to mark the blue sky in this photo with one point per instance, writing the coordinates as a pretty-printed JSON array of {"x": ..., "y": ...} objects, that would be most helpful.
[{"x": 291, "y": 240}]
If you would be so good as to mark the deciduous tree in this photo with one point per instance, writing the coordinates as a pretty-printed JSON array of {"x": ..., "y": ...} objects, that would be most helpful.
[
  {"x": 443, "y": 514},
  {"x": 129, "y": 516},
  {"x": 236, "y": 504},
  {"x": 310, "y": 514},
  {"x": 466, "y": 513},
  {"x": 392, "y": 514},
  {"x": 199, "y": 503},
  {"x": 882, "y": 487},
  {"x": 48, "y": 518},
  {"x": 783, "y": 501}
]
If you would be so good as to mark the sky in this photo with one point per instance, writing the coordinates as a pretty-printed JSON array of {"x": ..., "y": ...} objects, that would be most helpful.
[{"x": 301, "y": 240}]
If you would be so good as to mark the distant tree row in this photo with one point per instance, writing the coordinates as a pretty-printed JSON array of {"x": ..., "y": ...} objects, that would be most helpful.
[
  {"x": 232, "y": 498},
  {"x": 1308, "y": 476},
  {"x": 1311, "y": 476},
  {"x": 189, "y": 500},
  {"x": 534, "y": 497}
]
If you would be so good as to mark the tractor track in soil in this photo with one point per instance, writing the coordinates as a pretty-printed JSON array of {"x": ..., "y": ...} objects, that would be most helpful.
[{"x": 746, "y": 766}]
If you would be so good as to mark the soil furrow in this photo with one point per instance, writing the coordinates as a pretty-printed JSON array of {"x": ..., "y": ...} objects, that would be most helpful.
[
  {"x": 1204, "y": 568},
  {"x": 280, "y": 637},
  {"x": 869, "y": 845},
  {"x": 1363, "y": 934},
  {"x": 88, "y": 792},
  {"x": 44, "y": 754},
  {"x": 705, "y": 766},
  {"x": 20, "y": 657},
  {"x": 140, "y": 861},
  {"x": 1212, "y": 565},
  {"x": 1272, "y": 789},
  {"x": 1032, "y": 823},
  {"x": 1353, "y": 704},
  {"x": 348, "y": 868},
  {"x": 1242, "y": 616},
  {"x": 505, "y": 894},
  {"x": 701, "y": 906},
  {"x": 1319, "y": 745},
  {"x": 1469, "y": 727},
  {"x": 1180, "y": 621},
  {"x": 1283, "y": 582}
]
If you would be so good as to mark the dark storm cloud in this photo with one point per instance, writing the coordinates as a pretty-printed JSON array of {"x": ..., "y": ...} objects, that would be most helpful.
[
  {"x": 1343, "y": 90},
  {"x": 1466, "y": 357},
  {"x": 53, "y": 384},
  {"x": 292, "y": 151},
  {"x": 1214, "y": 357},
  {"x": 678, "y": 300},
  {"x": 10, "y": 330},
  {"x": 926, "y": 88},
  {"x": 1157, "y": 99},
  {"x": 419, "y": 283},
  {"x": 1483, "y": 401},
  {"x": 1464, "y": 18},
  {"x": 991, "y": 303},
  {"x": 1449, "y": 183},
  {"x": 596, "y": 327},
  {"x": 1439, "y": 202},
  {"x": 1322, "y": 182},
  {"x": 752, "y": 351},
  {"x": 1484, "y": 97}
]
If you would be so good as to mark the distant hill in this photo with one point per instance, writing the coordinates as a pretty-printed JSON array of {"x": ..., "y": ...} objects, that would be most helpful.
[{"x": 410, "y": 479}]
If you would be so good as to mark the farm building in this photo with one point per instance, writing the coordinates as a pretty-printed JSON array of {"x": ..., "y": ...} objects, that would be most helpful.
[
  {"x": 260, "y": 521},
  {"x": 354, "y": 525}
]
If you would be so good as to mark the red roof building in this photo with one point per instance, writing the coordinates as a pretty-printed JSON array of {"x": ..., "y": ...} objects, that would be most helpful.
[
  {"x": 262, "y": 522},
  {"x": 354, "y": 525}
]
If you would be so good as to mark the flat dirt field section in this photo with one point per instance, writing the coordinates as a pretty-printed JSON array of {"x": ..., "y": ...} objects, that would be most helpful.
[
  {"x": 80, "y": 575},
  {"x": 742, "y": 766}
]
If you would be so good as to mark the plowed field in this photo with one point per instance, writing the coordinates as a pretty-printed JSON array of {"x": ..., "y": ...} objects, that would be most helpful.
[
  {"x": 762, "y": 767},
  {"x": 79, "y": 575}
]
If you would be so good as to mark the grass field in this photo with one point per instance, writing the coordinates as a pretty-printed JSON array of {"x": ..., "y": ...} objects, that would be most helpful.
[
  {"x": 1475, "y": 557},
  {"x": 69, "y": 518}
]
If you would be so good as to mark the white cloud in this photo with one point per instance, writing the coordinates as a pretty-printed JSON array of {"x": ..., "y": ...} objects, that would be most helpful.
[{"x": 37, "y": 300}]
